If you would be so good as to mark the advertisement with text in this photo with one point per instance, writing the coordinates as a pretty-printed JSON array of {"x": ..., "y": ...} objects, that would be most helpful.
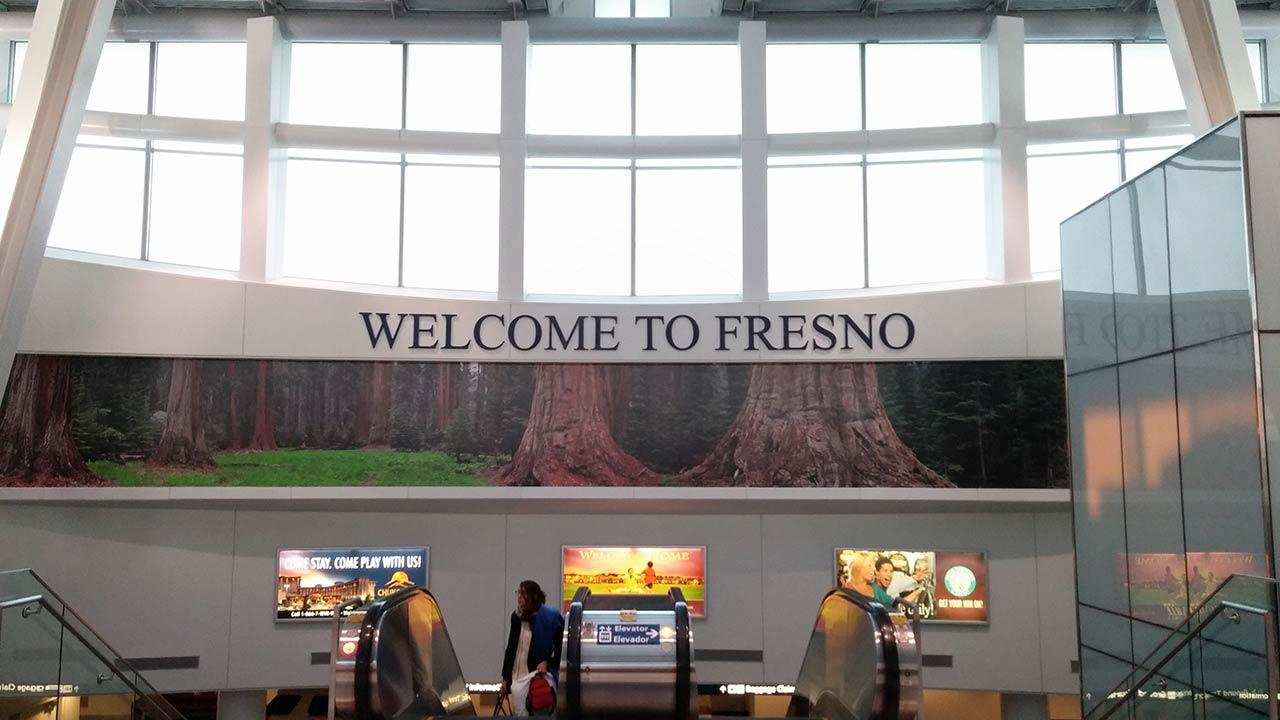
[
  {"x": 636, "y": 571},
  {"x": 311, "y": 583},
  {"x": 946, "y": 586}
]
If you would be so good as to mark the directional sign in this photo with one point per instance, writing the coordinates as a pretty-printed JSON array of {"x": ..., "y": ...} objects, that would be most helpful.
[{"x": 628, "y": 634}]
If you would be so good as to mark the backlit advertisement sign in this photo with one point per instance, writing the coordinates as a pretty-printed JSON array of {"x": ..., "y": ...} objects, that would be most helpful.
[
  {"x": 636, "y": 571},
  {"x": 312, "y": 582},
  {"x": 947, "y": 586},
  {"x": 1162, "y": 584}
]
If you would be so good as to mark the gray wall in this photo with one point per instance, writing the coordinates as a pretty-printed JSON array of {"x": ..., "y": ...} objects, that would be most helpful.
[{"x": 174, "y": 581}]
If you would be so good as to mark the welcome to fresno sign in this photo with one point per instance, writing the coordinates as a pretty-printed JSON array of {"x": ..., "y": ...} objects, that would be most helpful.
[{"x": 673, "y": 332}]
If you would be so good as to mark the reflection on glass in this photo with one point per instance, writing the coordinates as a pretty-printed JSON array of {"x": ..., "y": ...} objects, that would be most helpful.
[
  {"x": 1221, "y": 477},
  {"x": 1157, "y": 572},
  {"x": 1097, "y": 488},
  {"x": 688, "y": 231},
  {"x": 838, "y": 674},
  {"x": 815, "y": 228},
  {"x": 1207, "y": 262},
  {"x": 1088, "y": 308},
  {"x": 1140, "y": 268},
  {"x": 1099, "y": 676}
]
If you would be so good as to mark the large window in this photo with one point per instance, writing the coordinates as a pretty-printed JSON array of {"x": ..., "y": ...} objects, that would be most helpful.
[
  {"x": 577, "y": 237},
  {"x": 688, "y": 235},
  {"x": 456, "y": 88},
  {"x": 579, "y": 90},
  {"x": 1061, "y": 181},
  {"x": 813, "y": 88},
  {"x": 451, "y": 227},
  {"x": 918, "y": 85},
  {"x": 1066, "y": 80},
  {"x": 688, "y": 90},
  {"x": 348, "y": 84},
  {"x": 816, "y": 239}
]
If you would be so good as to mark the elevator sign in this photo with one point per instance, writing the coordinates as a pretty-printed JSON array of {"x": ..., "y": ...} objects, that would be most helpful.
[{"x": 628, "y": 634}]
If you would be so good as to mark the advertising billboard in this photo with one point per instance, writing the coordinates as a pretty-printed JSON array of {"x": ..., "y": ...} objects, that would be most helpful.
[
  {"x": 947, "y": 586},
  {"x": 312, "y": 582},
  {"x": 636, "y": 571}
]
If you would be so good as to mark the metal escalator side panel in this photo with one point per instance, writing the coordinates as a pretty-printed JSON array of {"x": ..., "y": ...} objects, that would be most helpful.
[
  {"x": 686, "y": 699},
  {"x": 571, "y": 667},
  {"x": 343, "y": 657},
  {"x": 850, "y": 669}
]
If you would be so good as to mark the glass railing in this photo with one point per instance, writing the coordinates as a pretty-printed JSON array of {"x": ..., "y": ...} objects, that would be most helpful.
[
  {"x": 55, "y": 666},
  {"x": 1219, "y": 663}
]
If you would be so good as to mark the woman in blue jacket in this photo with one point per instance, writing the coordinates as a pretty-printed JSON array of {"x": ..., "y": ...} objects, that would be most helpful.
[{"x": 533, "y": 645}]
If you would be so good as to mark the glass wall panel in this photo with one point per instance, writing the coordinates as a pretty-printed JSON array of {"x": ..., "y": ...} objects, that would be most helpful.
[
  {"x": 1140, "y": 268},
  {"x": 688, "y": 231},
  {"x": 613, "y": 8},
  {"x": 813, "y": 87},
  {"x": 1152, "y": 492},
  {"x": 1088, "y": 306},
  {"x": 815, "y": 228},
  {"x": 1269, "y": 346},
  {"x": 1099, "y": 675},
  {"x": 100, "y": 208},
  {"x": 120, "y": 83},
  {"x": 1254, "y": 50},
  {"x": 579, "y": 90},
  {"x": 919, "y": 85},
  {"x": 925, "y": 222},
  {"x": 200, "y": 80},
  {"x": 1221, "y": 473},
  {"x": 1150, "y": 80},
  {"x": 454, "y": 88},
  {"x": 1057, "y": 187},
  {"x": 653, "y": 8},
  {"x": 688, "y": 90},
  {"x": 1098, "y": 490},
  {"x": 1207, "y": 261},
  {"x": 195, "y": 209},
  {"x": 347, "y": 84},
  {"x": 577, "y": 231},
  {"x": 342, "y": 221},
  {"x": 1065, "y": 80},
  {"x": 451, "y": 227}
]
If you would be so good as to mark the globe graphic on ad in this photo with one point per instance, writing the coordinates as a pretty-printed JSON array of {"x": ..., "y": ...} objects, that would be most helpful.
[{"x": 960, "y": 581}]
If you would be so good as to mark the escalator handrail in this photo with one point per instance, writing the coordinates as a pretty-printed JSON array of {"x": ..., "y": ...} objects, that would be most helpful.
[
  {"x": 684, "y": 655},
  {"x": 364, "y": 650},
  {"x": 887, "y": 682},
  {"x": 573, "y": 654}
]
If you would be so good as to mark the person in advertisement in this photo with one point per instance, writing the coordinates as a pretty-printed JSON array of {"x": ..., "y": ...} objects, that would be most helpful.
[
  {"x": 914, "y": 587},
  {"x": 533, "y": 645}
]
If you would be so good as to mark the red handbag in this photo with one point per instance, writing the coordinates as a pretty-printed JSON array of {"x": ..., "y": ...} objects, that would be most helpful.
[{"x": 542, "y": 696}]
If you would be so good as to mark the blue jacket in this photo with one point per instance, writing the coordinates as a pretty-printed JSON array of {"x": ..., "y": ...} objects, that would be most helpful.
[{"x": 548, "y": 631}]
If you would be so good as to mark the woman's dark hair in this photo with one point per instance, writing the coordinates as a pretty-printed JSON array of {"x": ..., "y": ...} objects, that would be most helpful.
[{"x": 533, "y": 593}]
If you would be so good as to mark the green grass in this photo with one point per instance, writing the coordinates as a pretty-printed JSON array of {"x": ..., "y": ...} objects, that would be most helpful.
[{"x": 306, "y": 468}]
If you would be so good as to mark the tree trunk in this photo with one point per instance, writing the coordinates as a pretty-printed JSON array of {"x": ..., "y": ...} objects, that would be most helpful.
[
  {"x": 36, "y": 447},
  {"x": 619, "y": 399},
  {"x": 234, "y": 441},
  {"x": 446, "y": 395},
  {"x": 182, "y": 441},
  {"x": 566, "y": 440},
  {"x": 812, "y": 425},
  {"x": 264, "y": 436},
  {"x": 380, "y": 406}
]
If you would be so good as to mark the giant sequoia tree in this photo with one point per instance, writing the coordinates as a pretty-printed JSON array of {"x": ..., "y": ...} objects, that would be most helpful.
[
  {"x": 567, "y": 440},
  {"x": 264, "y": 434},
  {"x": 812, "y": 425},
  {"x": 36, "y": 447},
  {"x": 182, "y": 440}
]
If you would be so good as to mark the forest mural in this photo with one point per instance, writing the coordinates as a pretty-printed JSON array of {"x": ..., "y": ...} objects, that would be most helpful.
[{"x": 79, "y": 421}]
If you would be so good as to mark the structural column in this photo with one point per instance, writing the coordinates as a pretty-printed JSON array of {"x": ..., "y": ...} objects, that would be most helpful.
[
  {"x": 266, "y": 103},
  {"x": 1207, "y": 44},
  {"x": 66, "y": 41},
  {"x": 755, "y": 162},
  {"x": 1004, "y": 104},
  {"x": 512, "y": 152}
]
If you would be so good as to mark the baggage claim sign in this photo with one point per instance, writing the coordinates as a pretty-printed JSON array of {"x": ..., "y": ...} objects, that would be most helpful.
[{"x": 823, "y": 332}]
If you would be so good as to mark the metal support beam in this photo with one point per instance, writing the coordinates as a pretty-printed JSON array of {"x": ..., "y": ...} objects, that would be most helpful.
[
  {"x": 512, "y": 152},
  {"x": 66, "y": 41},
  {"x": 1004, "y": 104},
  {"x": 1207, "y": 43},
  {"x": 265, "y": 161},
  {"x": 755, "y": 154}
]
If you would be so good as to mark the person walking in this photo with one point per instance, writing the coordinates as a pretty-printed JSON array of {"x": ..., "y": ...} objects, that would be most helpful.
[{"x": 533, "y": 644}]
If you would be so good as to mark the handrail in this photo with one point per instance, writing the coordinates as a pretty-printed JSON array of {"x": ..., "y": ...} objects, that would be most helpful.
[
  {"x": 53, "y": 612},
  {"x": 1186, "y": 640},
  {"x": 120, "y": 663},
  {"x": 1178, "y": 628}
]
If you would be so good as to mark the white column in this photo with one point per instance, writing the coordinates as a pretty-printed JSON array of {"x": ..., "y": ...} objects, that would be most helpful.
[
  {"x": 66, "y": 41},
  {"x": 266, "y": 103},
  {"x": 1004, "y": 103},
  {"x": 755, "y": 156},
  {"x": 1207, "y": 44},
  {"x": 512, "y": 151}
]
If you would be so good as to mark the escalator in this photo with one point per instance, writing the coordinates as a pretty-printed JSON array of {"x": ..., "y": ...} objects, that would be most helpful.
[{"x": 623, "y": 657}]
